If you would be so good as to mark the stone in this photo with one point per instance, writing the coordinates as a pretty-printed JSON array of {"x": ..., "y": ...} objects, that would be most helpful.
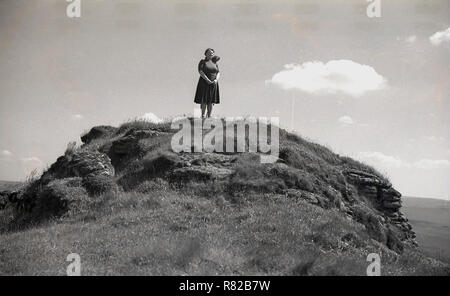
[
  {"x": 361, "y": 178},
  {"x": 402, "y": 217},
  {"x": 392, "y": 205},
  {"x": 199, "y": 173},
  {"x": 129, "y": 142},
  {"x": 80, "y": 164},
  {"x": 97, "y": 132},
  {"x": 369, "y": 191},
  {"x": 86, "y": 163},
  {"x": 390, "y": 194}
]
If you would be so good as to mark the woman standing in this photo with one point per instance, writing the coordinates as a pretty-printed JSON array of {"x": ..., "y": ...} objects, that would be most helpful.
[{"x": 207, "y": 93}]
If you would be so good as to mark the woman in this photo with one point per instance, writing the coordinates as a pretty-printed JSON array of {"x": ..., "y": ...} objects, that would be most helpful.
[{"x": 207, "y": 93}]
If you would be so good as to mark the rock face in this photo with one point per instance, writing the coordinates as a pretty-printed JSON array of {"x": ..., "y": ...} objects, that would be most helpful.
[
  {"x": 67, "y": 181},
  {"x": 92, "y": 168},
  {"x": 98, "y": 132},
  {"x": 385, "y": 199},
  {"x": 80, "y": 164},
  {"x": 134, "y": 143},
  {"x": 4, "y": 199},
  {"x": 202, "y": 167}
]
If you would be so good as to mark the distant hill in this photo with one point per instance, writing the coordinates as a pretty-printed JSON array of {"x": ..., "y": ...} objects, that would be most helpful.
[
  {"x": 421, "y": 202},
  {"x": 9, "y": 185},
  {"x": 430, "y": 219},
  {"x": 129, "y": 204}
]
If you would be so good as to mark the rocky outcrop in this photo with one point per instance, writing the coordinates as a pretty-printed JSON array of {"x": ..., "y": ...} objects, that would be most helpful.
[
  {"x": 80, "y": 164},
  {"x": 98, "y": 132},
  {"x": 140, "y": 154},
  {"x": 70, "y": 177},
  {"x": 4, "y": 199},
  {"x": 385, "y": 200},
  {"x": 199, "y": 173},
  {"x": 8, "y": 197},
  {"x": 129, "y": 142},
  {"x": 366, "y": 179},
  {"x": 133, "y": 144},
  {"x": 190, "y": 167}
]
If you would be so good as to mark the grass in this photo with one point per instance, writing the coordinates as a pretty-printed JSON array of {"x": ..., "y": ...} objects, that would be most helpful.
[
  {"x": 171, "y": 233},
  {"x": 243, "y": 225}
]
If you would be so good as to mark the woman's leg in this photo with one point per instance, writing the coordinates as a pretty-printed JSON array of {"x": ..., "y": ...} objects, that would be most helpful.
[
  {"x": 203, "y": 107},
  {"x": 210, "y": 106}
]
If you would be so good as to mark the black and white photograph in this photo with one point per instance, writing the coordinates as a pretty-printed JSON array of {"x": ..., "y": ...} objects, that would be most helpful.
[{"x": 224, "y": 144}]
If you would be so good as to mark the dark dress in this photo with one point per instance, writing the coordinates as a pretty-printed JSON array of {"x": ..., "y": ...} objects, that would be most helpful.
[{"x": 207, "y": 93}]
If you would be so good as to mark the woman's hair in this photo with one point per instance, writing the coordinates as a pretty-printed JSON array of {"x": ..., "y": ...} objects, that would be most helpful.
[
  {"x": 208, "y": 49},
  {"x": 215, "y": 59}
]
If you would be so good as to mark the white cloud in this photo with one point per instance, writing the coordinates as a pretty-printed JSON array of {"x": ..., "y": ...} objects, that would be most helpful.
[
  {"x": 439, "y": 37},
  {"x": 335, "y": 76},
  {"x": 6, "y": 153},
  {"x": 346, "y": 120},
  {"x": 379, "y": 159},
  {"x": 426, "y": 163},
  {"x": 150, "y": 117},
  {"x": 411, "y": 39},
  {"x": 31, "y": 159},
  {"x": 383, "y": 161},
  {"x": 77, "y": 117}
]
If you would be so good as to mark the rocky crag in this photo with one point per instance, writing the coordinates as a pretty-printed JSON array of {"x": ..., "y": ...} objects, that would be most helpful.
[{"x": 129, "y": 157}]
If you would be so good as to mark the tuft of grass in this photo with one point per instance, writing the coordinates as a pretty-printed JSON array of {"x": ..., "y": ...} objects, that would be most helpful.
[
  {"x": 98, "y": 184},
  {"x": 144, "y": 125},
  {"x": 71, "y": 148}
]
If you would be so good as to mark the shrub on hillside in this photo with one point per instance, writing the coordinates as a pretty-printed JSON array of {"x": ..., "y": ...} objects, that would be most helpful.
[
  {"x": 159, "y": 162},
  {"x": 60, "y": 196},
  {"x": 40, "y": 202},
  {"x": 71, "y": 148},
  {"x": 98, "y": 184}
]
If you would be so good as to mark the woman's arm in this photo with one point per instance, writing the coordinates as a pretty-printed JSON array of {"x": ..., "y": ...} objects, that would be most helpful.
[
  {"x": 217, "y": 78},
  {"x": 203, "y": 75},
  {"x": 218, "y": 72}
]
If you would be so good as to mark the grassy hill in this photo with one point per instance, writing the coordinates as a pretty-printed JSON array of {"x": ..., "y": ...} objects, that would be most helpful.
[
  {"x": 431, "y": 221},
  {"x": 129, "y": 205}
]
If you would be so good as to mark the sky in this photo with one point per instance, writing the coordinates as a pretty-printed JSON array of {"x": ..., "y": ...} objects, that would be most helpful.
[{"x": 376, "y": 89}]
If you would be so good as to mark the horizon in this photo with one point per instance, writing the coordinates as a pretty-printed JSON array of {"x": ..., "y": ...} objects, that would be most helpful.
[
  {"x": 374, "y": 89},
  {"x": 151, "y": 118}
]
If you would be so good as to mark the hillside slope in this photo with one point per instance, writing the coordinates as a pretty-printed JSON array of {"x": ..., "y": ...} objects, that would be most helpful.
[{"x": 128, "y": 204}]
